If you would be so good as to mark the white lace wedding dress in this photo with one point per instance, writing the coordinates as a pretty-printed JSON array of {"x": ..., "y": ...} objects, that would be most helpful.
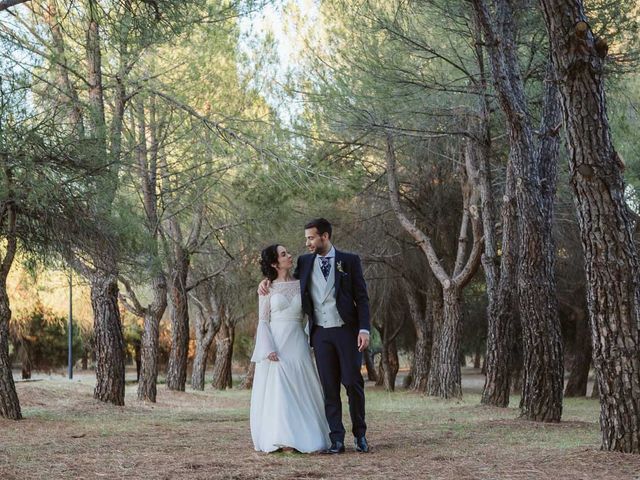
[{"x": 287, "y": 405}]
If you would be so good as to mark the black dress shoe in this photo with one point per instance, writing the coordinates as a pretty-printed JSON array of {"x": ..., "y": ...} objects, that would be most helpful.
[
  {"x": 336, "y": 447},
  {"x": 361, "y": 445}
]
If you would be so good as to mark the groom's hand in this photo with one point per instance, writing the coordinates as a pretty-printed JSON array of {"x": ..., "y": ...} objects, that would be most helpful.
[
  {"x": 363, "y": 341},
  {"x": 263, "y": 288}
]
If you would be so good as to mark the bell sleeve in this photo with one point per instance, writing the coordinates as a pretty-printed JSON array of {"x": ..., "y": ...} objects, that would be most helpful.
[{"x": 264, "y": 339}]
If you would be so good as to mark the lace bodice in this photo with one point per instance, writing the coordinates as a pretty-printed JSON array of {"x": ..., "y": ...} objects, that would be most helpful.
[{"x": 283, "y": 304}]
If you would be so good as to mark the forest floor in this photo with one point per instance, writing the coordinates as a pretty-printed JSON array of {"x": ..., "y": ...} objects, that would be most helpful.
[{"x": 205, "y": 435}]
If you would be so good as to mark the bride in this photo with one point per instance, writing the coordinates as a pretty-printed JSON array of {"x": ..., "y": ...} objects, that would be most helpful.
[{"x": 287, "y": 405}]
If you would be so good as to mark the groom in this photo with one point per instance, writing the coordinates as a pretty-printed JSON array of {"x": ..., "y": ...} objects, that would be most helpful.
[{"x": 334, "y": 296}]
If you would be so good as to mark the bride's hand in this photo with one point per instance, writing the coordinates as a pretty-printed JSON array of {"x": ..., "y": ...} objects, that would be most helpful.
[
  {"x": 263, "y": 288},
  {"x": 273, "y": 356}
]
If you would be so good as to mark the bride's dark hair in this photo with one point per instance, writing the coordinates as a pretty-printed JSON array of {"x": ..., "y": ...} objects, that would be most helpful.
[{"x": 268, "y": 257}]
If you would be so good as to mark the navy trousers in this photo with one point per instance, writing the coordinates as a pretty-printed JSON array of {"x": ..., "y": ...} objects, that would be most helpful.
[{"x": 339, "y": 361}]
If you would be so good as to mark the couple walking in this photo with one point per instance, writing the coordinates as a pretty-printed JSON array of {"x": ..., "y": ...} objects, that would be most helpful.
[{"x": 293, "y": 405}]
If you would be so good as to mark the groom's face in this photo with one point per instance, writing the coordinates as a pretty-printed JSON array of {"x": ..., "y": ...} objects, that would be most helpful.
[{"x": 315, "y": 242}]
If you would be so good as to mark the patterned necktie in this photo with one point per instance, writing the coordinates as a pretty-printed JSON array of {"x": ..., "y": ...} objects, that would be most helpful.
[{"x": 325, "y": 266}]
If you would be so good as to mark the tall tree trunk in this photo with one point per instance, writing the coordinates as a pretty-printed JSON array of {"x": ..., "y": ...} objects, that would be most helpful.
[
  {"x": 109, "y": 342},
  {"x": 611, "y": 258},
  {"x": 447, "y": 382},
  {"x": 152, "y": 314},
  {"x": 500, "y": 309},
  {"x": 9, "y": 403},
  {"x": 535, "y": 187},
  {"x": 500, "y": 272},
  {"x": 579, "y": 373},
  {"x": 177, "y": 368}
]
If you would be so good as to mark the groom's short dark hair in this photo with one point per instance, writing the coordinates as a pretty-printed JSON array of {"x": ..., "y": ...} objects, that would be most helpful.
[{"x": 322, "y": 224}]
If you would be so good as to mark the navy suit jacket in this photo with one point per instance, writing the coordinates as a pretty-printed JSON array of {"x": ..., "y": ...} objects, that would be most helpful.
[{"x": 352, "y": 299}]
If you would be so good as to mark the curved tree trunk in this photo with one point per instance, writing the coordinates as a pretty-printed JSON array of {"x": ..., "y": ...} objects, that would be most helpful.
[
  {"x": 447, "y": 383},
  {"x": 109, "y": 342},
  {"x": 177, "y": 368},
  {"x": 611, "y": 257},
  {"x": 579, "y": 373}
]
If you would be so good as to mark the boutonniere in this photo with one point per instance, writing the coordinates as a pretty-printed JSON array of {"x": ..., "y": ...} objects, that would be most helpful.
[{"x": 339, "y": 267}]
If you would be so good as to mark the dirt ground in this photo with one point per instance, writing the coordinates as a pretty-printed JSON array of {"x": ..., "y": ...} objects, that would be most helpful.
[{"x": 205, "y": 435}]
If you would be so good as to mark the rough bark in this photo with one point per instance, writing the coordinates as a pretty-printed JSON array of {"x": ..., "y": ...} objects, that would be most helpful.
[
  {"x": 500, "y": 272},
  {"x": 108, "y": 339},
  {"x": 109, "y": 342},
  {"x": 177, "y": 368},
  {"x": 534, "y": 170},
  {"x": 152, "y": 313},
  {"x": 445, "y": 378},
  {"x": 611, "y": 258},
  {"x": 9, "y": 403}
]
